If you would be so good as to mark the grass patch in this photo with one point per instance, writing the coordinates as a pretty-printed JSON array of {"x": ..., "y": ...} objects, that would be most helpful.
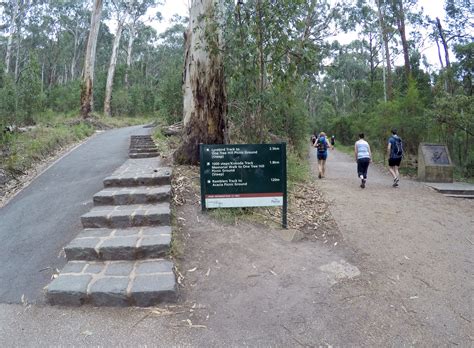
[
  {"x": 298, "y": 169},
  {"x": 21, "y": 151},
  {"x": 25, "y": 149},
  {"x": 230, "y": 215}
]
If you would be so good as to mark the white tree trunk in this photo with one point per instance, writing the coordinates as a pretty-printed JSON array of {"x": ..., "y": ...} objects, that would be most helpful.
[
  {"x": 74, "y": 54},
  {"x": 17, "y": 58},
  {"x": 131, "y": 38},
  {"x": 12, "y": 32},
  {"x": 88, "y": 78},
  {"x": 205, "y": 99},
  {"x": 111, "y": 72}
]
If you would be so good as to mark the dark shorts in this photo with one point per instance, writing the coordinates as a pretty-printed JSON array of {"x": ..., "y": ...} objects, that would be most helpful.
[
  {"x": 322, "y": 156},
  {"x": 392, "y": 162}
]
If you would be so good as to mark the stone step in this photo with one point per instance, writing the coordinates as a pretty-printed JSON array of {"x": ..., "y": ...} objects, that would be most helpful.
[
  {"x": 456, "y": 192},
  {"x": 114, "y": 283},
  {"x": 455, "y": 188},
  {"x": 144, "y": 154},
  {"x": 124, "y": 216},
  {"x": 143, "y": 149},
  {"x": 146, "y": 136},
  {"x": 468, "y": 196},
  {"x": 132, "y": 195},
  {"x": 120, "y": 244},
  {"x": 141, "y": 140},
  {"x": 139, "y": 177},
  {"x": 138, "y": 145}
]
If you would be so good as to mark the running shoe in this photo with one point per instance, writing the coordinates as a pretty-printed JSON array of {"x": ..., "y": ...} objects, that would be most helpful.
[
  {"x": 362, "y": 185},
  {"x": 395, "y": 182}
]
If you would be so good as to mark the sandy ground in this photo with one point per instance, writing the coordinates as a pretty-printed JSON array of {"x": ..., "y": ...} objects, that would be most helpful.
[{"x": 400, "y": 275}]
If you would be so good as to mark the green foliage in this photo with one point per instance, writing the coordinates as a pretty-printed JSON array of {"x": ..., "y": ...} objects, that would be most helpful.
[
  {"x": 65, "y": 98},
  {"x": 170, "y": 96},
  {"x": 7, "y": 102},
  {"x": 28, "y": 148},
  {"x": 298, "y": 170},
  {"x": 30, "y": 98}
]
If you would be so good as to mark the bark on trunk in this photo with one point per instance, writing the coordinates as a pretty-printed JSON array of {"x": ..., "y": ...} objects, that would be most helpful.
[
  {"x": 388, "y": 75},
  {"x": 74, "y": 54},
  {"x": 12, "y": 31},
  {"x": 443, "y": 40},
  {"x": 439, "y": 53},
  {"x": 131, "y": 38},
  {"x": 111, "y": 72},
  {"x": 17, "y": 58},
  {"x": 400, "y": 17},
  {"x": 88, "y": 78},
  {"x": 205, "y": 100}
]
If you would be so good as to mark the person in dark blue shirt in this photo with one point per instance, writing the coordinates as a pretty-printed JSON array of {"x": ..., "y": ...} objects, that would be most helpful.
[
  {"x": 395, "y": 154},
  {"x": 322, "y": 146}
]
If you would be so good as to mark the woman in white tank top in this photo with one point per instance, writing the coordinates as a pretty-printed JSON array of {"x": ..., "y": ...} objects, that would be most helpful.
[{"x": 363, "y": 158}]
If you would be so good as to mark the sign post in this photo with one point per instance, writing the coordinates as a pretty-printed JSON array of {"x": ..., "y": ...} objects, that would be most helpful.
[{"x": 244, "y": 175}]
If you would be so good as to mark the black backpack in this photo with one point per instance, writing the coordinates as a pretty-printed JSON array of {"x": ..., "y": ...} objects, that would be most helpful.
[
  {"x": 397, "y": 148},
  {"x": 322, "y": 145}
]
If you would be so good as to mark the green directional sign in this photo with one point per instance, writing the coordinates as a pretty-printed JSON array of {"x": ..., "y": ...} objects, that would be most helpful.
[{"x": 243, "y": 175}]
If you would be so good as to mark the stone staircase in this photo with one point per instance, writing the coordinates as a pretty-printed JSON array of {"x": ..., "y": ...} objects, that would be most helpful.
[
  {"x": 118, "y": 259},
  {"x": 142, "y": 146}
]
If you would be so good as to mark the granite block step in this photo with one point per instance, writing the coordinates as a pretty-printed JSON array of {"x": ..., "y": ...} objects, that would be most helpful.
[
  {"x": 114, "y": 283},
  {"x": 143, "y": 149},
  {"x": 139, "y": 177},
  {"x": 467, "y": 196},
  {"x": 142, "y": 145},
  {"x": 133, "y": 195},
  {"x": 144, "y": 155},
  {"x": 124, "y": 216},
  {"x": 142, "y": 141},
  {"x": 120, "y": 244}
]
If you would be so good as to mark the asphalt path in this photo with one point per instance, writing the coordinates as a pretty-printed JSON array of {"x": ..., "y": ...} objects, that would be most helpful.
[{"x": 37, "y": 223}]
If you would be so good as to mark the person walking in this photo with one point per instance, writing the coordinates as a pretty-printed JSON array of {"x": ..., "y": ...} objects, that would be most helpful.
[
  {"x": 333, "y": 142},
  {"x": 395, "y": 154},
  {"x": 322, "y": 145},
  {"x": 363, "y": 157}
]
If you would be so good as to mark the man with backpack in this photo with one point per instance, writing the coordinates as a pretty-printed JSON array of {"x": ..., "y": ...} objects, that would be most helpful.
[
  {"x": 322, "y": 146},
  {"x": 395, "y": 155}
]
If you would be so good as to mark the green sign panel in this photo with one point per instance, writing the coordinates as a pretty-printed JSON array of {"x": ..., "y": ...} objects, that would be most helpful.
[{"x": 243, "y": 175}]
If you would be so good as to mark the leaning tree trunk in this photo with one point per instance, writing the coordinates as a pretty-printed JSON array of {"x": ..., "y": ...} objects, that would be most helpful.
[
  {"x": 111, "y": 72},
  {"x": 205, "y": 99},
  {"x": 444, "y": 41},
  {"x": 88, "y": 77}
]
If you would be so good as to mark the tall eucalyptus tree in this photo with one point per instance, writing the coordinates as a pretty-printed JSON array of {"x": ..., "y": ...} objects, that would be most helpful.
[
  {"x": 205, "y": 97},
  {"x": 89, "y": 62}
]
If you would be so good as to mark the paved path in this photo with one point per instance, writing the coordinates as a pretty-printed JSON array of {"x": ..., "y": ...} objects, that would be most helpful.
[
  {"x": 247, "y": 287},
  {"x": 417, "y": 245},
  {"x": 45, "y": 216}
]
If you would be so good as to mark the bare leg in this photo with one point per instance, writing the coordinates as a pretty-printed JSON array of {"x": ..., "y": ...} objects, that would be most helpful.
[
  {"x": 396, "y": 172},
  {"x": 323, "y": 167},
  {"x": 320, "y": 168},
  {"x": 393, "y": 171}
]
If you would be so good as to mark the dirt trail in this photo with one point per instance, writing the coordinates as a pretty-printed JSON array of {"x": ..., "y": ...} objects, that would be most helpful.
[
  {"x": 413, "y": 244},
  {"x": 401, "y": 276}
]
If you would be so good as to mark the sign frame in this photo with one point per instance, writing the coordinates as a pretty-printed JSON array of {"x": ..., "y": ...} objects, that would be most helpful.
[{"x": 245, "y": 172}]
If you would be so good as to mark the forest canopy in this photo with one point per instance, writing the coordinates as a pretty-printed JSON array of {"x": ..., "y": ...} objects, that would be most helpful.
[{"x": 286, "y": 74}]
